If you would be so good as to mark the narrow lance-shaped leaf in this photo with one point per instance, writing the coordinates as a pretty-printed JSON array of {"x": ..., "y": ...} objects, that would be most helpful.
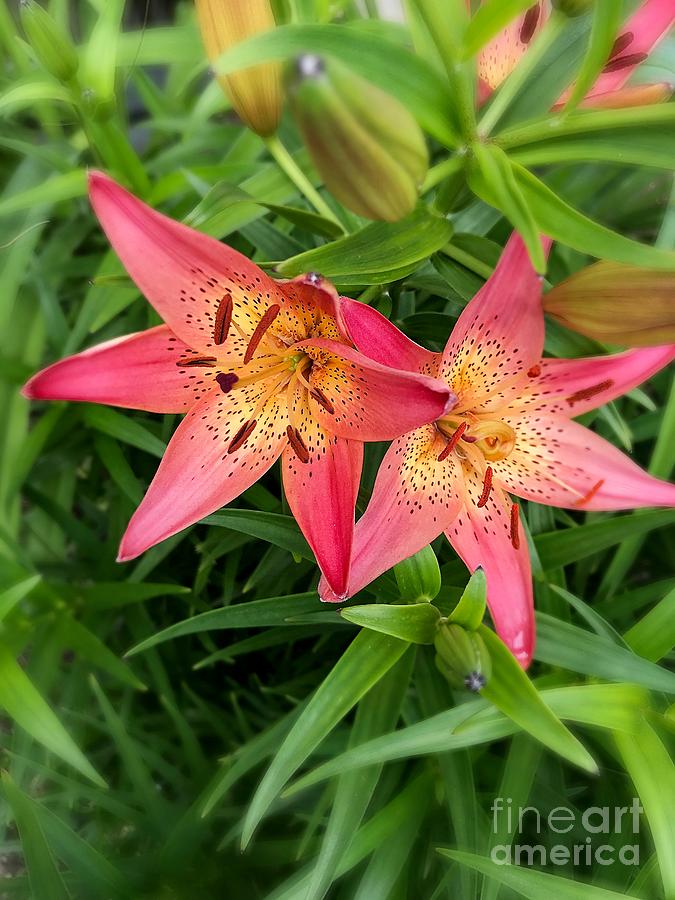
[{"x": 410, "y": 622}]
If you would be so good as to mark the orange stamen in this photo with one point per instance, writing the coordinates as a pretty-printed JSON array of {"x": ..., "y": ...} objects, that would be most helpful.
[
  {"x": 262, "y": 326},
  {"x": 487, "y": 487},
  {"x": 241, "y": 436},
  {"x": 196, "y": 361},
  {"x": 297, "y": 443},
  {"x": 587, "y": 393},
  {"x": 515, "y": 518},
  {"x": 589, "y": 496},
  {"x": 223, "y": 321}
]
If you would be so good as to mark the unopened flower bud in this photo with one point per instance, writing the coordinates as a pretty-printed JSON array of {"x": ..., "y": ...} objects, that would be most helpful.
[
  {"x": 367, "y": 147},
  {"x": 255, "y": 93},
  {"x": 52, "y": 46},
  {"x": 462, "y": 657},
  {"x": 418, "y": 577},
  {"x": 573, "y": 8},
  {"x": 617, "y": 304}
]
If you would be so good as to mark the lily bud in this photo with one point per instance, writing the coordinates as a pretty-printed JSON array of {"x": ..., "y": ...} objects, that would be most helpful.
[
  {"x": 255, "y": 93},
  {"x": 573, "y": 8},
  {"x": 419, "y": 577},
  {"x": 616, "y": 304},
  {"x": 366, "y": 146},
  {"x": 462, "y": 657},
  {"x": 52, "y": 46}
]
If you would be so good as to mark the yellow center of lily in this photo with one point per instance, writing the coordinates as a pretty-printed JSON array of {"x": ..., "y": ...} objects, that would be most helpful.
[{"x": 466, "y": 433}]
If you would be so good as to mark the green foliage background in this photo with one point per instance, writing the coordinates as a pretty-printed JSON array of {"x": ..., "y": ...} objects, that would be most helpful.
[{"x": 134, "y": 777}]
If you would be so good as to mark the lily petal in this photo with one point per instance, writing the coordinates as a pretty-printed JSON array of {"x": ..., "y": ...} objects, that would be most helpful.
[
  {"x": 186, "y": 275},
  {"x": 651, "y": 22},
  {"x": 321, "y": 475},
  {"x": 482, "y": 536},
  {"x": 209, "y": 461},
  {"x": 415, "y": 497},
  {"x": 500, "y": 333},
  {"x": 379, "y": 339},
  {"x": 138, "y": 371},
  {"x": 366, "y": 401},
  {"x": 633, "y": 95},
  {"x": 574, "y": 386},
  {"x": 561, "y": 463},
  {"x": 502, "y": 54}
]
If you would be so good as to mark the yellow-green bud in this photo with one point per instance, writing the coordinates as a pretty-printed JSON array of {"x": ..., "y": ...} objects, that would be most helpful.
[
  {"x": 418, "y": 577},
  {"x": 462, "y": 657},
  {"x": 255, "y": 92},
  {"x": 617, "y": 304},
  {"x": 573, "y": 8},
  {"x": 52, "y": 46},
  {"x": 367, "y": 147}
]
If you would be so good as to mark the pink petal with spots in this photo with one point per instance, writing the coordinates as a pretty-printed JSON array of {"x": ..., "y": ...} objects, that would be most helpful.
[
  {"x": 321, "y": 493},
  {"x": 184, "y": 274},
  {"x": 415, "y": 497},
  {"x": 502, "y": 54},
  {"x": 482, "y": 537},
  {"x": 561, "y": 463},
  {"x": 138, "y": 371},
  {"x": 649, "y": 25},
  {"x": 574, "y": 386},
  {"x": 201, "y": 469},
  {"x": 367, "y": 401},
  {"x": 500, "y": 334},
  {"x": 379, "y": 339}
]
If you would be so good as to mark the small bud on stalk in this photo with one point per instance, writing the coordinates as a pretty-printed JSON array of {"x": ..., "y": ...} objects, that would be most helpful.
[
  {"x": 255, "y": 93},
  {"x": 52, "y": 46},
  {"x": 462, "y": 657},
  {"x": 419, "y": 577},
  {"x": 367, "y": 147},
  {"x": 617, "y": 304}
]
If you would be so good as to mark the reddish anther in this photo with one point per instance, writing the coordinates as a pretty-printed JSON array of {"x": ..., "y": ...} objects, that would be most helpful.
[
  {"x": 621, "y": 43},
  {"x": 529, "y": 25},
  {"x": 624, "y": 62},
  {"x": 221, "y": 326},
  {"x": 534, "y": 372},
  {"x": 452, "y": 442},
  {"x": 513, "y": 530},
  {"x": 487, "y": 487},
  {"x": 241, "y": 436},
  {"x": 191, "y": 361},
  {"x": 227, "y": 381},
  {"x": 297, "y": 443},
  {"x": 262, "y": 326},
  {"x": 589, "y": 496},
  {"x": 587, "y": 393},
  {"x": 322, "y": 400}
]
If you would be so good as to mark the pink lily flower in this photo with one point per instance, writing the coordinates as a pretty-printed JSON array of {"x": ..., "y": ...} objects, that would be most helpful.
[
  {"x": 511, "y": 432},
  {"x": 641, "y": 33},
  {"x": 263, "y": 369}
]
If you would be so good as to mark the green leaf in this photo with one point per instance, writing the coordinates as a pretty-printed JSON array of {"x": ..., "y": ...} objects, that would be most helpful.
[
  {"x": 43, "y": 874},
  {"x": 390, "y": 66},
  {"x": 15, "y": 594},
  {"x": 59, "y": 187},
  {"x": 562, "y": 222},
  {"x": 654, "y": 635},
  {"x": 254, "y": 614},
  {"x": 415, "y": 622},
  {"x": 23, "y": 703},
  {"x": 366, "y": 660},
  {"x": 494, "y": 182},
  {"x": 651, "y": 769},
  {"x": 73, "y": 635},
  {"x": 530, "y": 883},
  {"x": 21, "y": 96},
  {"x": 271, "y": 527},
  {"x": 607, "y": 16},
  {"x": 513, "y": 693},
  {"x": 124, "y": 428},
  {"x": 367, "y": 256},
  {"x": 470, "y": 609},
  {"x": 562, "y": 644}
]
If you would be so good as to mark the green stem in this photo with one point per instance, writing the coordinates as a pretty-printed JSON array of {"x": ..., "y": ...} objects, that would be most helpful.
[
  {"x": 467, "y": 260},
  {"x": 441, "y": 170},
  {"x": 514, "y": 83},
  {"x": 371, "y": 293},
  {"x": 290, "y": 168}
]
